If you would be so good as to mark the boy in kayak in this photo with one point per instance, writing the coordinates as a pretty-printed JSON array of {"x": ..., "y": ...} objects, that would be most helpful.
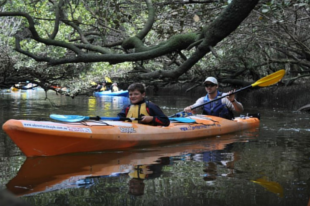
[
  {"x": 149, "y": 112},
  {"x": 222, "y": 108}
]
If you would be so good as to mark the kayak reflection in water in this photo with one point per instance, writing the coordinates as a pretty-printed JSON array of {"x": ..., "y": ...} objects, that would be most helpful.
[{"x": 149, "y": 112}]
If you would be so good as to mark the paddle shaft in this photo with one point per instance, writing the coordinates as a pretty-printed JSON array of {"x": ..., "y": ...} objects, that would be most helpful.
[
  {"x": 239, "y": 90},
  {"x": 97, "y": 118}
]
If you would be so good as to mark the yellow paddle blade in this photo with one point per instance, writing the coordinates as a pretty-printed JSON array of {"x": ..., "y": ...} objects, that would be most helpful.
[
  {"x": 273, "y": 187},
  {"x": 270, "y": 79},
  {"x": 108, "y": 80},
  {"x": 93, "y": 83}
]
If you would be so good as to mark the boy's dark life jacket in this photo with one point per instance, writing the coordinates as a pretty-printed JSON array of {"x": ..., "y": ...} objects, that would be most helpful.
[{"x": 217, "y": 108}]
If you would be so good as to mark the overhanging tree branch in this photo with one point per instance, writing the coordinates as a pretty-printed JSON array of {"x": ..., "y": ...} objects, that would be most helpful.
[
  {"x": 84, "y": 51},
  {"x": 226, "y": 23}
]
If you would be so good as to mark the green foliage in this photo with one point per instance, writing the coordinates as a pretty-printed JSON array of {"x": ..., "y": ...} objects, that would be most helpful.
[{"x": 107, "y": 24}]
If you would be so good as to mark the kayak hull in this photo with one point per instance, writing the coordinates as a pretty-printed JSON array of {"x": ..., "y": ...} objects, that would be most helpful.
[
  {"x": 109, "y": 93},
  {"x": 43, "y": 138}
]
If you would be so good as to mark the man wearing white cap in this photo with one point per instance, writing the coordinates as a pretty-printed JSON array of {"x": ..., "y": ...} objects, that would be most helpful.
[{"x": 223, "y": 107}]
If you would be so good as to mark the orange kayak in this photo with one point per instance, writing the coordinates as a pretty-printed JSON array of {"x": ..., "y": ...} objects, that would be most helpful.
[{"x": 44, "y": 138}]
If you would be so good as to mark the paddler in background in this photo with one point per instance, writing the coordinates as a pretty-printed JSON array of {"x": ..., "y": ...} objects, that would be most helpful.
[
  {"x": 222, "y": 108},
  {"x": 101, "y": 87},
  {"x": 149, "y": 112},
  {"x": 114, "y": 87}
]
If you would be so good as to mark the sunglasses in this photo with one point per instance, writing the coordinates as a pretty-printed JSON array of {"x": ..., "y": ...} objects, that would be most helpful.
[{"x": 210, "y": 85}]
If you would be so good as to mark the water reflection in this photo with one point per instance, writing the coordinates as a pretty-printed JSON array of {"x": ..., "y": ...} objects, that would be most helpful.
[
  {"x": 20, "y": 94},
  {"x": 46, "y": 174},
  {"x": 110, "y": 102},
  {"x": 271, "y": 186},
  {"x": 110, "y": 105}
]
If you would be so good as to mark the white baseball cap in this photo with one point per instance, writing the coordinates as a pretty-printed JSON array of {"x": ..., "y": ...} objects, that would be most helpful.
[{"x": 211, "y": 79}]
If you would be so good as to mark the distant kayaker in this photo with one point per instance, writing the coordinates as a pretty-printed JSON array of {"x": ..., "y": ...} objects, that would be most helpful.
[
  {"x": 98, "y": 87},
  {"x": 222, "y": 108},
  {"x": 149, "y": 112},
  {"x": 101, "y": 87},
  {"x": 114, "y": 87}
]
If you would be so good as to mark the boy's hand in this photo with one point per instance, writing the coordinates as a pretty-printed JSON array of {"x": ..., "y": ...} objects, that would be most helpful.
[{"x": 147, "y": 119}]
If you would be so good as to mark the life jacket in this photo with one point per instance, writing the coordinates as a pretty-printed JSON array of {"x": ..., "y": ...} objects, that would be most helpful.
[
  {"x": 137, "y": 111},
  {"x": 115, "y": 89},
  {"x": 217, "y": 108},
  {"x": 103, "y": 88}
]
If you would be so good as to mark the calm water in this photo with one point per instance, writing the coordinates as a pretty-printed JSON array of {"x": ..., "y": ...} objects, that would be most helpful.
[{"x": 268, "y": 166}]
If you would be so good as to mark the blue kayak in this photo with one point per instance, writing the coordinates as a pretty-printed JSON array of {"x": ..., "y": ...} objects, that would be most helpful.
[{"x": 109, "y": 93}]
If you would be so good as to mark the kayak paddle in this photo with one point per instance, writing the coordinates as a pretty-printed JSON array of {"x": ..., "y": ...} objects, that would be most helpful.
[
  {"x": 78, "y": 118},
  {"x": 263, "y": 82}
]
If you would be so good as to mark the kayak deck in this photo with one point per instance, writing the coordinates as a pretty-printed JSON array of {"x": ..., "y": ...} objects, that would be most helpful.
[{"x": 43, "y": 138}]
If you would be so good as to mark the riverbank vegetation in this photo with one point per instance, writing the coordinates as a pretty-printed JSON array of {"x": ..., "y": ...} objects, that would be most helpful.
[{"x": 159, "y": 42}]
